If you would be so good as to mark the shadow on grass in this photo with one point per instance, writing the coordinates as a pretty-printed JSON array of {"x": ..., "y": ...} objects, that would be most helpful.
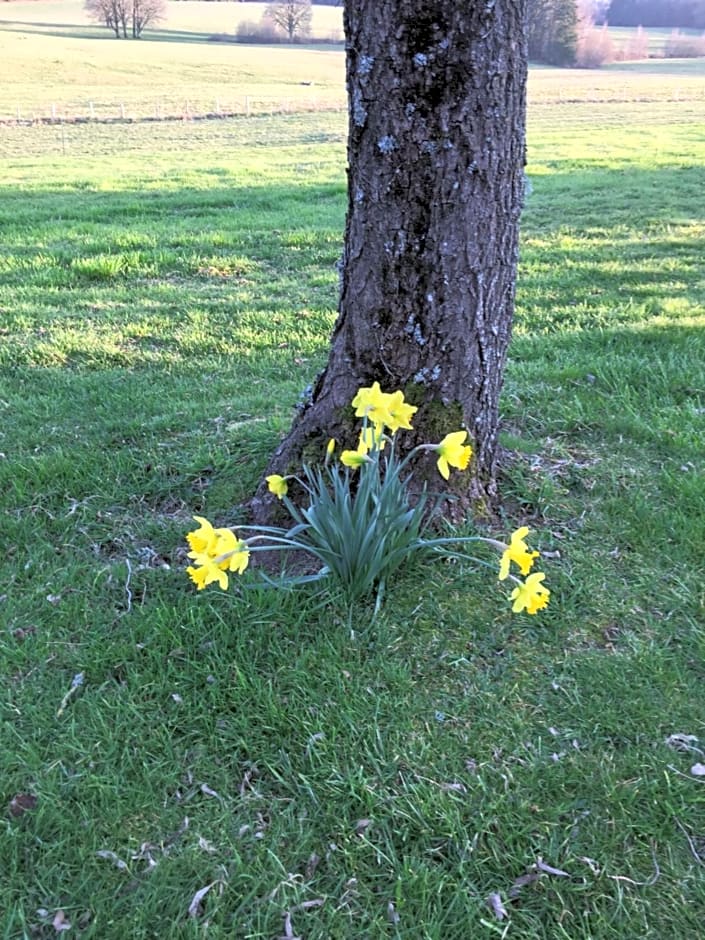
[
  {"x": 56, "y": 30},
  {"x": 261, "y": 205},
  {"x": 79, "y": 31},
  {"x": 74, "y": 31},
  {"x": 619, "y": 270},
  {"x": 589, "y": 199}
]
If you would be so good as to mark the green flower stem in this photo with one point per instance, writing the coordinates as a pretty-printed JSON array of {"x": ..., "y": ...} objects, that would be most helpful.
[
  {"x": 276, "y": 542},
  {"x": 463, "y": 557}
]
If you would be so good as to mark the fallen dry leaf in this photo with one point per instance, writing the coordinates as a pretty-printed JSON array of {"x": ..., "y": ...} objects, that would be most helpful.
[
  {"x": 246, "y": 782},
  {"x": 392, "y": 915},
  {"x": 308, "y": 905},
  {"x": 60, "y": 922},
  {"x": 205, "y": 789},
  {"x": 22, "y": 803},
  {"x": 533, "y": 874},
  {"x": 549, "y": 869},
  {"x": 521, "y": 882},
  {"x": 288, "y": 931},
  {"x": 148, "y": 849},
  {"x": 21, "y": 633},
  {"x": 683, "y": 742},
  {"x": 112, "y": 857},
  {"x": 494, "y": 902},
  {"x": 195, "y": 908},
  {"x": 361, "y": 825},
  {"x": 454, "y": 787},
  {"x": 145, "y": 855},
  {"x": 312, "y": 865}
]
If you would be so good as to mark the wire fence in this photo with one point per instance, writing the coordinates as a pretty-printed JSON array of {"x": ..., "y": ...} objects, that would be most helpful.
[
  {"x": 167, "y": 124},
  {"x": 191, "y": 109},
  {"x": 162, "y": 109}
]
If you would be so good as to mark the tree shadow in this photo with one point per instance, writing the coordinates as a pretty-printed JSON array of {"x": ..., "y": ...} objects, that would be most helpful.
[
  {"x": 611, "y": 272},
  {"x": 56, "y": 30},
  {"x": 151, "y": 35},
  {"x": 98, "y": 32}
]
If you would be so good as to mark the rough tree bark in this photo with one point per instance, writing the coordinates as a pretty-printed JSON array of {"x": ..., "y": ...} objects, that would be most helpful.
[{"x": 436, "y": 152}]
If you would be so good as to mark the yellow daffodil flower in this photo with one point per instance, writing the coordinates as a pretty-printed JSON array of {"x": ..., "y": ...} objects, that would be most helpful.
[
  {"x": 531, "y": 595},
  {"x": 371, "y": 438},
  {"x": 235, "y": 550},
  {"x": 214, "y": 552},
  {"x": 240, "y": 559},
  {"x": 518, "y": 552},
  {"x": 369, "y": 400},
  {"x": 277, "y": 485},
  {"x": 399, "y": 413},
  {"x": 330, "y": 447},
  {"x": 452, "y": 452},
  {"x": 203, "y": 538},
  {"x": 354, "y": 458},
  {"x": 373, "y": 403},
  {"x": 206, "y": 572}
]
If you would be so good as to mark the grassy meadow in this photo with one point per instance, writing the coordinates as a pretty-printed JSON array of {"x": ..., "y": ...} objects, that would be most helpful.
[
  {"x": 63, "y": 67},
  {"x": 657, "y": 37},
  {"x": 235, "y": 765},
  {"x": 62, "y": 64}
]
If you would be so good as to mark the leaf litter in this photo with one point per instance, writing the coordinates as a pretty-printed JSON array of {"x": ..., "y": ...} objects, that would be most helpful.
[
  {"x": 22, "y": 803},
  {"x": 532, "y": 874}
]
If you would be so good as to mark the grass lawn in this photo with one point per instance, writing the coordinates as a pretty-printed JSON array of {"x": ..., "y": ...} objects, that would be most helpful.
[{"x": 166, "y": 294}]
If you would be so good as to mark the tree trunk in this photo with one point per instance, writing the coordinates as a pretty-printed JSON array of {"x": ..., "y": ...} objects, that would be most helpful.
[{"x": 436, "y": 153}]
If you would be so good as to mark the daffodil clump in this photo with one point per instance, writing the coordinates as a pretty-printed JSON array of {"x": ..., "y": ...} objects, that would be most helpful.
[
  {"x": 214, "y": 553},
  {"x": 361, "y": 524}
]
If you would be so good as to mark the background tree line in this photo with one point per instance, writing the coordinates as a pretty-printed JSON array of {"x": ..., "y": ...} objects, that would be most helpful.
[
  {"x": 563, "y": 32},
  {"x": 684, "y": 14},
  {"x": 126, "y": 18},
  {"x": 552, "y": 31}
]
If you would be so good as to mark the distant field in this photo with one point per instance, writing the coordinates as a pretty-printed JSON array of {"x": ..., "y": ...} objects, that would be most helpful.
[
  {"x": 657, "y": 37},
  {"x": 199, "y": 18},
  {"x": 53, "y": 61},
  {"x": 55, "y": 64},
  {"x": 655, "y": 80}
]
